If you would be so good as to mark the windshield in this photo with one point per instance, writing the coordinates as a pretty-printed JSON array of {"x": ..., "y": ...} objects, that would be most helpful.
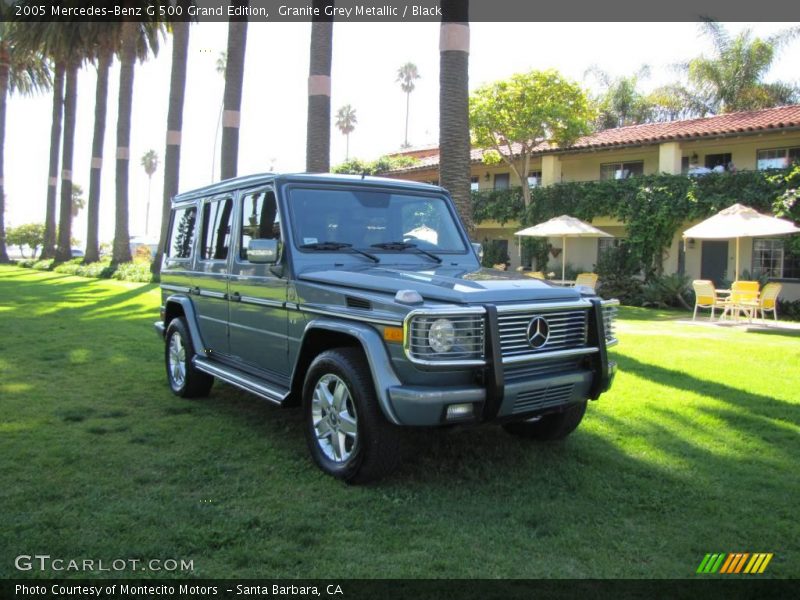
[{"x": 370, "y": 219}]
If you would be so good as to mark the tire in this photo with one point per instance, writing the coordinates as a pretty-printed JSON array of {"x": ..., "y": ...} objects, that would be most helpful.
[
  {"x": 549, "y": 428},
  {"x": 184, "y": 380},
  {"x": 354, "y": 442}
]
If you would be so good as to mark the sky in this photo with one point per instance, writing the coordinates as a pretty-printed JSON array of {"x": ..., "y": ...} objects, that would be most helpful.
[{"x": 366, "y": 57}]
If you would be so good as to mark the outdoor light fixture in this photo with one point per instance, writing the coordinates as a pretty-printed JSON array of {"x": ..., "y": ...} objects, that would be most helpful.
[{"x": 487, "y": 176}]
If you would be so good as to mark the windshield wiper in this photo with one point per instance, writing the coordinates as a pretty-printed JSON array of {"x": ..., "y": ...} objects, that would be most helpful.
[
  {"x": 399, "y": 246},
  {"x": 339, "y": 246}
]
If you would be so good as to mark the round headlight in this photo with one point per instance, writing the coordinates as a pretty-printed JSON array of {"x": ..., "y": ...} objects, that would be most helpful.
[{"x": 442, "y": 335}]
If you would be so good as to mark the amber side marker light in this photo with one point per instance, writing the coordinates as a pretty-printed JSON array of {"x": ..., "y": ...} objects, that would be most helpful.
[{"x": 393, "y": 334}]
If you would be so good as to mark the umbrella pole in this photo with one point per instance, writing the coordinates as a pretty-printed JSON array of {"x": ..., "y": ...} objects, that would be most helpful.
[
  {"x": 563, "y": 258},
  {"x": 736, "y": 277}
]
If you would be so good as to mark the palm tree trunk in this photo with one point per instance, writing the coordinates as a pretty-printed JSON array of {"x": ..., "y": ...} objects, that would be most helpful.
[
  {"x": 408, "y": 104},
  {"x": 234, "y": 76},
  {"x": 49, "y": 245},
  {"x": 172, "y": 154},
  {"x": 122, "y": 247},
  {"x": 318, "y": 131},
  {"x": 92, "y": 253},
  {"x": 347, "y": 147},
  {"x": 4, "y": 66},
  {"x": 454, "y": 146},
  {"x": 65, "y": 217}
]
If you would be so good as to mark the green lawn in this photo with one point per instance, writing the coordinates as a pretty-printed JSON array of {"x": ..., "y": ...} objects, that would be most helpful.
[{"x": 695, "y": 450}]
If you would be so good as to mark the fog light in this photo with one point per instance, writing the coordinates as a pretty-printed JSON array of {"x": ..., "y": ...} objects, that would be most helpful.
[{"x": 459, "y": 411}]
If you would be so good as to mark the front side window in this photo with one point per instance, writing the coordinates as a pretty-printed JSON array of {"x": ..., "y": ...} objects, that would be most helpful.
[
  {"x": 366, "y": 218},
  {"x": 216, "y": 239},
  {"x": 778, "y": 158},
  {"x": 621, "y": 170},
  {"x": 768, "y": 257},
  {"x": 260, "y": 220},
  {"x": 182, "y": 234}
]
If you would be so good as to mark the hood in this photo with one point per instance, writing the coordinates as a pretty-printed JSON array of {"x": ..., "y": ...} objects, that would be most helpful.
[{"x": 445, "y": 284}]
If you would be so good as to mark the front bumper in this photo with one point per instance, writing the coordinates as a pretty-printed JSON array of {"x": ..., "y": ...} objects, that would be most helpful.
[{"x": 494, "y": 399}]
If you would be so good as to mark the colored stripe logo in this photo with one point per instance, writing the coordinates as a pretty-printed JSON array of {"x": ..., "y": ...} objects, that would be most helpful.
[{"x": 735, "y": 562}]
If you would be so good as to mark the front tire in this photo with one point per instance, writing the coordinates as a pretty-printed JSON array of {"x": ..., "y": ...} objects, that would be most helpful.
[
  {"x": 550, "y": 427},
  {"x": 184, "y": 380},
  {"x": 347, "y": 434}
]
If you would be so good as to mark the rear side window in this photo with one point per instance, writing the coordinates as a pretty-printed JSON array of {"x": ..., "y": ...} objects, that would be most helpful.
[
  {"x": 260, "y": 220},
  {"x": 182, "y": 234},
  {"x": 217, "y": 217}
]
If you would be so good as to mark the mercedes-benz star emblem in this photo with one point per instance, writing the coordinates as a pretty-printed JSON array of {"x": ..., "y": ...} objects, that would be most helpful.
[{"x": 538, "y": 332}]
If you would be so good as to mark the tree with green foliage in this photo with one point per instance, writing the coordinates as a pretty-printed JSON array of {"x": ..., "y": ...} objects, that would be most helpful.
[
  {"x": 511, "y": 118},
  {"x": 732, "y": 78},
  {"x": 621, "y": 103},
  {"x": 78, "y": 201},
  {"x": 346, "y": 122},
  {"x": 383, "y": 164},
  {"x": 406, "y": 76},
  {"x": 22, "y": 71},
  {"x": 30, "y": 235},
  {"x": 150, "y": 166}
]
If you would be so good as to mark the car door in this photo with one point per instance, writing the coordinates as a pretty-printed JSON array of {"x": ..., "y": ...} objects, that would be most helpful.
[
  {"x": 258, "y": 318},
  {"x": 210, "y": 279}
]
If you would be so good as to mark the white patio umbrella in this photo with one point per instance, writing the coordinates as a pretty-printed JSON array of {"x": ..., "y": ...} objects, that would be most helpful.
[
  {"x": 563, "y": 227},
  {"x": 740, "y": 221}
]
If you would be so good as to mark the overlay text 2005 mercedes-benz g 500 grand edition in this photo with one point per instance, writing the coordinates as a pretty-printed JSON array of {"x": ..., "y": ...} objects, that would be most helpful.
[{"x": 362, "y": 300}]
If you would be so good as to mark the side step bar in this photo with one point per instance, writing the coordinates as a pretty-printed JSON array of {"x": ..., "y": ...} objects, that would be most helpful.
[{"x": 241, "y": 380}]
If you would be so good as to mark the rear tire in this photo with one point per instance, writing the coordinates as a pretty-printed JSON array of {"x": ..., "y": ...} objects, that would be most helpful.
[
  {"x": 184, "y": 380},
  {"x": 550, "y": 427},
  {"x": 347, "y": 434}
]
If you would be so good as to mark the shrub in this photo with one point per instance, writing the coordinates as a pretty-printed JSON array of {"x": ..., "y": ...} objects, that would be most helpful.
[
  {"x": 101, "y": 270},
  {"x": 133, "y": 271},
  {"x": 44, "y": 265},
  {"x": 667, "y": 290},
  {"x": 788, "y": 310},
  {"x": 494, "y": 254},
  {"x": 618, "y": 277},
  {"x": 70, "y": 267}
]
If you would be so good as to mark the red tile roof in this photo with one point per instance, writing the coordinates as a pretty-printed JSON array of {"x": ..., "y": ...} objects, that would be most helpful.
[{"x": 740, "y": 123}]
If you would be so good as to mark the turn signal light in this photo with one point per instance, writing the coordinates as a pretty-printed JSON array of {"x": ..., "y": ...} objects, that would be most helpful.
[{"x": 393, "y": 334}]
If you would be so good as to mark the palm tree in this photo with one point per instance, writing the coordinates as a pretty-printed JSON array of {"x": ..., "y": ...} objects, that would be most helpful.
[
  {"x": 732, "y": 79},
  {"x": 318, "y": 130},
  {"x": 454, "y": 145},
  {"x": 104, "y": 58},
  {"x": 172, "y": 154},
  {"x": 67, "y": 44},
  {"x": 232, "y": 101},
  {"x": 21, "y": 72},
  {"x": 346, "y": 122},
  {"x": 222, "y": 64},
  {"x": 406, "y": 76},
  {"x": 137, "y": 39},
  {"x": 621, "y": 103},
  {"x": 49, "y": 244},
  {"x": 150, "y": 165}
]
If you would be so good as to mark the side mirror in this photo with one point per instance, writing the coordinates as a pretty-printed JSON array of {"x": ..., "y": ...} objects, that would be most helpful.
[{"x": 263, "y": 252}]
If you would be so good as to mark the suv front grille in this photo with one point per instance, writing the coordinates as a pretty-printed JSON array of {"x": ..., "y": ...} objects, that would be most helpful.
[{"x": 567, "y": 329}]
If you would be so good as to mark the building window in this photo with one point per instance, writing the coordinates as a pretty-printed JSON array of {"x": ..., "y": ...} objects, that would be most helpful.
[
  {"x": 606, "y": 244},
  {"x": 684, "y": 165},
  {"x": 474, "y": 184},
  {"x": 502, "y": 181},
  {"x": 621, "y": 170},
  {"x": 534, "y": 179},
  {"x": 771, "y": 258},
  {"x": 777, "y": 158},
  {"x": 719, "y": 162}
]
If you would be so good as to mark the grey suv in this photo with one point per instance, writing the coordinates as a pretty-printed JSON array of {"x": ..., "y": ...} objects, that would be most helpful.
[{"x": 362, "y": 300}]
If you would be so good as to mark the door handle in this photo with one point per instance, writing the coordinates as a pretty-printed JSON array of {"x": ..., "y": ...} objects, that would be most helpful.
[{"x": 236, "y": 297}]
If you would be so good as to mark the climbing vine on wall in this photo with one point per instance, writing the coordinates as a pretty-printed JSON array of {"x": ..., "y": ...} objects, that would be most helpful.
[{"x": 653, "y": 207}]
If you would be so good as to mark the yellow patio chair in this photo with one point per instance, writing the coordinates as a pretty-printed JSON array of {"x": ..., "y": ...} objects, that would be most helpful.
[
  {"x": 743, "y": 298},
  {"x": 534, "y": 274},
  {"x": 588, "y": 279},
  {"x": 768, "y": 301},
  {"x": 705, "y": 296}
]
